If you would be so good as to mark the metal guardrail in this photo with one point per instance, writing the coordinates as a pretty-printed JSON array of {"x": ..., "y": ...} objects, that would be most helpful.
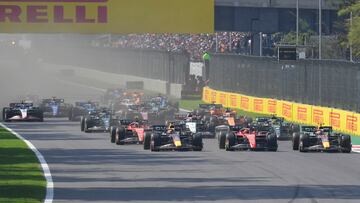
[{"x": 323, "y": 83}]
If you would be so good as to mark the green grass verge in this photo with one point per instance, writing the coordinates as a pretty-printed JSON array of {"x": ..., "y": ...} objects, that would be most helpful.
[
  {"x": 194, "y": 104},
  {"x": 355, "y": 140},
  {"x": 21, "y": 177}
]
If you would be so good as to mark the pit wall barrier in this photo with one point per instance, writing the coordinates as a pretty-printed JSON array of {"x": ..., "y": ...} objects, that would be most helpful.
[{"x": 343, "y": 121}]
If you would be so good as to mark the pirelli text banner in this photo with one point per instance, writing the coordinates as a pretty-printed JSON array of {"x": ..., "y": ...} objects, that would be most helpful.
[{"x": 106, "y": 16}]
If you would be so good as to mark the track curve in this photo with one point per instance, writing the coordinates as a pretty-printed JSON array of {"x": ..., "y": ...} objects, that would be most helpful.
[{"x": 87, "y": 167}]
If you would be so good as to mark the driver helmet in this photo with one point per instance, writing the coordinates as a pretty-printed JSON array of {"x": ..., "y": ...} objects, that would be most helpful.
[{"x": 171, "y": 128}]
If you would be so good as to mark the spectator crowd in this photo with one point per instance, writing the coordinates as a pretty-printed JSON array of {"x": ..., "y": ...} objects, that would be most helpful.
[{"x": 194, "y": 44}]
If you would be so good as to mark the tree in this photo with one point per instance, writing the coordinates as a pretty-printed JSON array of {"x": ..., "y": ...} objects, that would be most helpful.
[{"x": 353, "y": 26}]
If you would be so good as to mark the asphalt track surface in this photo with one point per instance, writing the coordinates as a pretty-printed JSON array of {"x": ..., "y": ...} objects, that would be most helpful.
[{"x": 88, "y": 168}]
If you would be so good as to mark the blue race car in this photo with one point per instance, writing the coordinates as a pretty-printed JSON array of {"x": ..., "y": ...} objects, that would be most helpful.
[
  {"x": 82, "y": 109},
  {"x": 56, "y": 108}
]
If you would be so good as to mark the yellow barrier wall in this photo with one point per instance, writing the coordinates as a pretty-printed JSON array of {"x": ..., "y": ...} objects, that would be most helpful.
[{"x": 344, "y": 121}]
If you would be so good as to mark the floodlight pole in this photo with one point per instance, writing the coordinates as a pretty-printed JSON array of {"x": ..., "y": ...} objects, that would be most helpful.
[
  {"x": 297, "y": 22},
  {"x": 320, "y": 29},
  {"x": 261, "y": 41},
  {"x": 351, "y": 24}
]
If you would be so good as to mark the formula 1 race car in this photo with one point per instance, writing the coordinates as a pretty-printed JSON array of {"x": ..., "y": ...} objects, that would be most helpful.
[
  {"x": 173, "y": 137},
  {"x": 22, "y": 112},
  {"x": 81, "y": 109},
  {"x": 195, "y": 124},
  {"x": 96, "y": 121},
  {"x": 212, "y": 109},
  {"x": 323, "y": 139},
  {"x": 283, "y": 129},
  {"x": 55, "y": 108},
  {"x": 112, "y": 95},
  {"x": 128, "y": 132},
  {"x": 217, "y": 115},
  {"x": 158, "y": 110},
  {"x": 256, "y": 137}
]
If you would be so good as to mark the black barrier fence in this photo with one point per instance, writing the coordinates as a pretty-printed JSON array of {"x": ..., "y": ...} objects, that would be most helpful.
[
  {"x": 152, "y": 64},
  {"x": 324, "y": 83}
]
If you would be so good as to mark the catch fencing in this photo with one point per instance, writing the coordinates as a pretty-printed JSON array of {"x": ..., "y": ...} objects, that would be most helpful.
[
  {"x": 333, "y": 84},
  {"x": 161, "y": 65}
]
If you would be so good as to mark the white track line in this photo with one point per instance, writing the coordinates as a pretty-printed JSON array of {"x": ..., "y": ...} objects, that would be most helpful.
[
  {"x": 49, "y": 182},
  {"x": 184, "y": 110},
  {"x": 356, "y": 148}
]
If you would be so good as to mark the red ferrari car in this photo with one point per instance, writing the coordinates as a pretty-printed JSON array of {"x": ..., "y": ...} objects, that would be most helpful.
[
  {"x": 133, "y": 133},
  {"x": 260, "y": 137}
]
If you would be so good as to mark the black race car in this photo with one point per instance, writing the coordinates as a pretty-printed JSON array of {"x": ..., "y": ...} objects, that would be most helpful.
[
  {"x": 175, "y": 137},
  {"x": 55, "y": 108},
  {"x": 323, "y": 139},
  {"x": 81, "y": 109},
  {"x": 96, "y": 121},
  {"x": 22, "y": 112},
  {"x": 195, "y": 125},
  {"x": 158, "y": 110},
  {"x": 284, "y": 130}
]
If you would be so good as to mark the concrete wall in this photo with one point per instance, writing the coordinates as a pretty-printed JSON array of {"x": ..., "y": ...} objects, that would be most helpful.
[{"x": 100, "y": 79}]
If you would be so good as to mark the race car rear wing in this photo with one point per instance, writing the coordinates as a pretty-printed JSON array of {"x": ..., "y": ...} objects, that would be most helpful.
[
  {"x": 208, "y": 106},
  {"x": 180, "y": 116},
  {"x": 53, "y": 100},
  {"x": 85, "y": 103},
  {"x": 159, "y": 128},
  {"x": 16, "y": 105},
  {"x": 326, "y": 128}
]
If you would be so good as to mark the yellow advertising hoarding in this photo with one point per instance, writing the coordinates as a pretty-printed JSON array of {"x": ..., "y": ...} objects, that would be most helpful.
[
  {"x": 345, "y": 121},
  {"x": 106, "y": 16}
]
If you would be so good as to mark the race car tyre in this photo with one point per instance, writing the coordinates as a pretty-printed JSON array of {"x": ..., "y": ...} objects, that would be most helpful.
[
  {"x": 41, "y": 116},
  {"x": 197, "y": 142},
  {"x": 230, "y": 141},
  {"x": 295, "y": 128},
  {"x": 205, "y": 117},
  {"x": 222, "y": 139},
  {"x": 82, "y": 124},
  {"x": 272, "y": 142},
  {"x": 120, "y": 135},
  {"x": 212, "y": 124},
  {"x": 112, "y": 134},
  {"x": 295, "y": 141},
  {"x": 304, "y": 143},
  {"x": 155, "y": 142},
  {"x": 86, "y": 126},
  {"x": 248, "y": 120},
  {"x": 147, "y": 140},
  {"x": 71, "y": 114},
  {"x": 345, "y": 143},
  {"x": 4, "y": 113}
]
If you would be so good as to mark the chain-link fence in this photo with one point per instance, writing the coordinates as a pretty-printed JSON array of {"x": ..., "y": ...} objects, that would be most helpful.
[
  {"x": 161, "y": 65},
  {"x": 323, "y": 83}
]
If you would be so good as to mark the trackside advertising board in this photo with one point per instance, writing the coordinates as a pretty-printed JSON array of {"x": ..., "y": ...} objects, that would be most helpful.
[
  {"x": 344, "y": 121},
  {"x": 106, "y": 16}
]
